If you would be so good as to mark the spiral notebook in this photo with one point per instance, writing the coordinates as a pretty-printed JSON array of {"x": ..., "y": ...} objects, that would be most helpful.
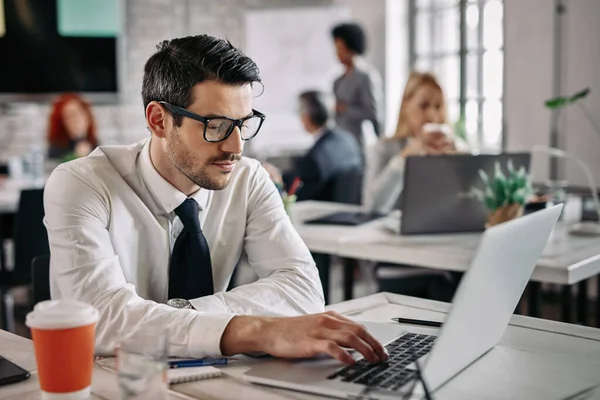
[{"x": 182, "y": 375}]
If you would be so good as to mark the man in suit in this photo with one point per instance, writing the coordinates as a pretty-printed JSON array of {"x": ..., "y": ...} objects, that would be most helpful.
[
  {"x": 359, "y": 91},
  {"x": 332, "y": 168}
]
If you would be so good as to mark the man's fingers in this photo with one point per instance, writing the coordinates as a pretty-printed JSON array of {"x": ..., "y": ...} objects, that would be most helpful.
[
  {"x": 377, "y": 347},
  {"x": 332, "y": 349},
  {"x": 362, "y": 332},
  {"x": 349, "y": 339},
  {"x": 338, "y": 316}
]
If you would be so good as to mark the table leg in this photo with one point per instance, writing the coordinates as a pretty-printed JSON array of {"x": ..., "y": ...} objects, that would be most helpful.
[
  {"x": 350, "y": 266},
  {"x": 583, "y": 309},
  {"x": 7, "y": 310},
  {"x": 323, "y": 265},
  {"x": 567, "y": 304},
  {"x": 535, "y": 299},
  {"x": 598, "y": 301}
]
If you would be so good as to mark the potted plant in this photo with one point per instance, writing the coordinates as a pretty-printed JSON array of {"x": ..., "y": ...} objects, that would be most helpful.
[{"x": 504, "y": 196}]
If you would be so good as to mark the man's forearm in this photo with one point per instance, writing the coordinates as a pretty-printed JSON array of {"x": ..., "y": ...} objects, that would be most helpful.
[{"x": 284, "y": 293}]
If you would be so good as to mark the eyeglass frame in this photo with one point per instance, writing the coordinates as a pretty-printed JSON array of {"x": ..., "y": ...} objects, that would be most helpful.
[{"x": 183, "y": 112}]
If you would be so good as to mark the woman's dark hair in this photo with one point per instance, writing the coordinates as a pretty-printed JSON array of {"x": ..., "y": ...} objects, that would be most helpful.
[
  {"x": 179, "y": 64},
  {"x": 352, "y": 35},
  {"x": 314, "y": 104}
]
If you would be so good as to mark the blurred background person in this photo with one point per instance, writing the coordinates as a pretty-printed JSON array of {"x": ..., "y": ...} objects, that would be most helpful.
[
  {"x": 71, "y": 129},
  {"x": 332, "y": 170},
  {"x": 359, "y": 91},
  {"x": 422, "y": 103}
]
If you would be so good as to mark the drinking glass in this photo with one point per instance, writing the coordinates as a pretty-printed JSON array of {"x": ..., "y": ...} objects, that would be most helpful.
[{"x": 142, "y": 365}]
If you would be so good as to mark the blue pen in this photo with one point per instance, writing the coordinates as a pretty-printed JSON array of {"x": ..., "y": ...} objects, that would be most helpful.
[{"x": 198, "y": 362}]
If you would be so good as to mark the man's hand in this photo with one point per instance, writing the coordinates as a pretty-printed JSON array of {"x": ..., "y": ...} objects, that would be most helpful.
[
  {"x": 434, "y": 143},
  {"x": 301, "y": 337}
]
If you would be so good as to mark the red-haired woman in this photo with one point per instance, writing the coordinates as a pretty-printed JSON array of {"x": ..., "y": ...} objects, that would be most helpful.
[{"x": 71, "y": 130}]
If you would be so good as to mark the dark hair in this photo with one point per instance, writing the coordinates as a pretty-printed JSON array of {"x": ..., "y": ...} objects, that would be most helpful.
[
  {"x": 314, "y": 103},
  {"x": 179, "y": 64},
  {"x": 352, "y": 35}
]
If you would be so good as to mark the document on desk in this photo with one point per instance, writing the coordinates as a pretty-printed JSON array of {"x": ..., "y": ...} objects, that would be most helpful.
[{"x": 386, "y": 312}]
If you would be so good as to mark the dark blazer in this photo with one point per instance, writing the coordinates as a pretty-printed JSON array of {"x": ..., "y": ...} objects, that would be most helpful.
[{"x": 331, "y": 170}]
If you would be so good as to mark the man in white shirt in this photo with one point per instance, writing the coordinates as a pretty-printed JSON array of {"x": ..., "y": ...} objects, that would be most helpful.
[{"x": 133, "y": 226}]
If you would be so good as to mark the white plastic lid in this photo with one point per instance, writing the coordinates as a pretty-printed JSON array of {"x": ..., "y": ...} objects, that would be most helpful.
[{"x": 61, "y": 314}]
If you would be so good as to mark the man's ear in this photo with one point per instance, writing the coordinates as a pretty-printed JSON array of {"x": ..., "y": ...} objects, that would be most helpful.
[{"x": 158, "y": 119}]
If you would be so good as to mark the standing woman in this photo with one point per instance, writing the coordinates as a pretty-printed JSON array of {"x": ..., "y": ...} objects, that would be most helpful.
[
  {"x": 359, "y": 91},
  {"x": 71, "y": 129}
]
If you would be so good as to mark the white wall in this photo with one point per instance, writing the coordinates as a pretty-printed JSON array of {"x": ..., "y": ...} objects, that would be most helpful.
[
  {"x": 528, "y": 27},
  {"x": 529, "y": 34},
  {"x": 582, "y": 69}
]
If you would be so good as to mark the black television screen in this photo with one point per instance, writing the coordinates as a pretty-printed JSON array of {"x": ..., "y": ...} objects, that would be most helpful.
[{"x": 37, "y": 59}]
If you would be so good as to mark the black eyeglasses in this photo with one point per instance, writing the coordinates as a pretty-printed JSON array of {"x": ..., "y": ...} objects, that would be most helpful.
[{"x": 217, "y": 129}]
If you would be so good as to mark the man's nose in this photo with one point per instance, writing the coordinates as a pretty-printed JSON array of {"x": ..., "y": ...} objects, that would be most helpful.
[{"x": 234, "y": 143}]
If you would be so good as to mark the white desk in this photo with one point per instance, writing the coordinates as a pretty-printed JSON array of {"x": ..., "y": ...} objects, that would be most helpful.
[
  {"x": 10, "y": 191},
  {"x": 536, "y": 359},
  {"x": 566, "y": 260}
]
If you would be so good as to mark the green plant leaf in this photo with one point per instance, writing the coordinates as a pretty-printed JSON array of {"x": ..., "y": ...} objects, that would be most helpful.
[
  {"x": 484, "y": 177},
  {"x": 562, "y": 101},
  {"x": 500, "y": 191},
  {"x": 478, "y": 193},
  {"x": 460, "y": 130},
  {"x": 582, "y": 94},
  {"x": 490, "y": 203},
  {"x": 510, "y": 167}
]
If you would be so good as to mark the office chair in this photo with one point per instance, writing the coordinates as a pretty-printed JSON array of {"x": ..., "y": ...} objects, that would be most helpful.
[
  {"x": 345, "y": 188},
  {"x": 40, "y": 273},
  {"x": 30, "y": 235},
  {"x": 30, "y": 240}
]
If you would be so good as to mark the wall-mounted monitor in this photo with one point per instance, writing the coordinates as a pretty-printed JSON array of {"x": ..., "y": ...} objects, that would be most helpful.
[{"x": 54, "y": 46}]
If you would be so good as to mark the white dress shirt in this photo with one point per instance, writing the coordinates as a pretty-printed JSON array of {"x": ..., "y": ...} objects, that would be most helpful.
[{"x": 111, "y": 226}]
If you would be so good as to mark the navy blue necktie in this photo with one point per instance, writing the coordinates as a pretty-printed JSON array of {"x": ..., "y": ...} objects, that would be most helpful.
[{"x": 190, "y": 273}]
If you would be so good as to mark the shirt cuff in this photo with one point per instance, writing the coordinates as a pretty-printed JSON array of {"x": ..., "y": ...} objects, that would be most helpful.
[{"x": 206, "y": 333}]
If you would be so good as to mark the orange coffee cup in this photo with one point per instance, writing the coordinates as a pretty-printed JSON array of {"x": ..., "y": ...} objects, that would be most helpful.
[{"x": 63, "y": 339}]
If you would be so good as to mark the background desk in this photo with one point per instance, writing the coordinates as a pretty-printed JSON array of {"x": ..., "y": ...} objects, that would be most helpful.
[
  {"x": 566, "y": 260},
  {"x": 536, "y": 359}
]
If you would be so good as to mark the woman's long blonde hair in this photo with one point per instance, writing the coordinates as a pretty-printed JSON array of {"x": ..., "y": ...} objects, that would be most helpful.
[{"x": 415, "y": 81}]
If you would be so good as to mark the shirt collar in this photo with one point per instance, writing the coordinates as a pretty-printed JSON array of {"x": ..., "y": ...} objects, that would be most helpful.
[
  {"x": 167, "y": 195},
  {"x": 317, "y": 134}
]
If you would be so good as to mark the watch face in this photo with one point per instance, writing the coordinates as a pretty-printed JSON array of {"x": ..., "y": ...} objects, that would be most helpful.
[{"x": 179, "y": 303}]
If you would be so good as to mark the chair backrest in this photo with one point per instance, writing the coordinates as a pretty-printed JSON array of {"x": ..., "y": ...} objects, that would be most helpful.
[
  {"x": 347, "y": 187},
  {"x": 40, "y": 272},
  {"x": 30, "y": 235}
]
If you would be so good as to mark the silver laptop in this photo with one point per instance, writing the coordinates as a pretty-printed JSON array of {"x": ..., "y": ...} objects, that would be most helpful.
[
  {"x": 482, "y": 306},
  {"x": 446, "y": 203}
]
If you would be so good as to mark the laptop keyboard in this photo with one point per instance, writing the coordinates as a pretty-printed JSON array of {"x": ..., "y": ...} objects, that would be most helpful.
[{"x": 393, "y": 374}]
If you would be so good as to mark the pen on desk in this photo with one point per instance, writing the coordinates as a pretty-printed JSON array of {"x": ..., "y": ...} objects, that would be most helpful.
[
  {"x": 198, "y": 362},
  {"x": 422, "y": 322}
]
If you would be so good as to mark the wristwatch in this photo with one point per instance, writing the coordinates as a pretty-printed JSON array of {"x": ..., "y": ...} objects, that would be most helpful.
[{"x": 180, "y": 303}]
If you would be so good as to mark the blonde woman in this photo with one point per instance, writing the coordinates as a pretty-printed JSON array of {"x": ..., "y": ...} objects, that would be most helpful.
[{"x": 422, "y": 103}]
